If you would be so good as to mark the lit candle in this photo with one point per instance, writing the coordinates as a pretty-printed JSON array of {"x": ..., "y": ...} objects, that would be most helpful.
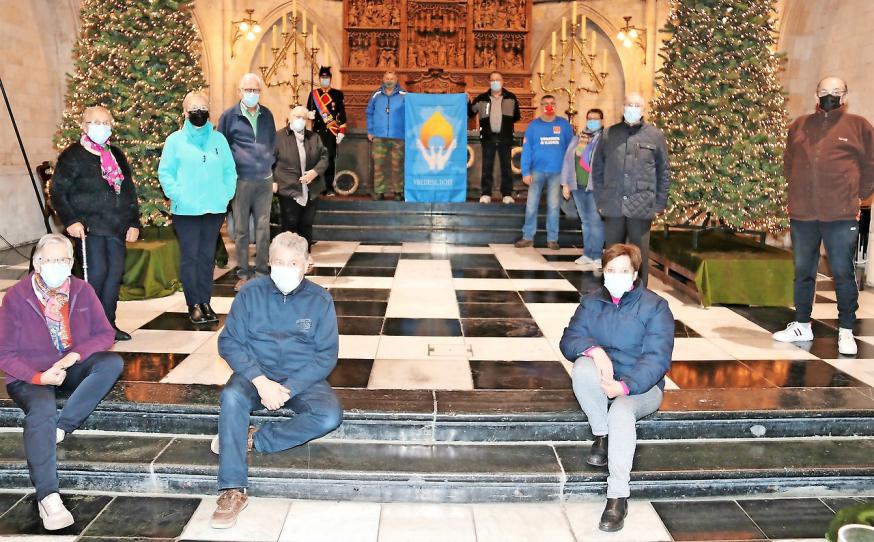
[
  {"x": 574, "y": 12},
  {"x": 583, "y": 26},
  {"x": 294, "y": 7},
  {"x": 594, "y": 40},
  {"x": 263, "y": 54},
  {"x": 304, "y": 13},
  {"x": 542, "y": 61},
  {"x": 285, "y": 23},
  {"x": 553, "y": 43},
  {"x": 564, "y": 29},
  {"x": 315, "y": 32},
  {"x": 274, "y": 36},
  {"x": 604, "y": 62}
]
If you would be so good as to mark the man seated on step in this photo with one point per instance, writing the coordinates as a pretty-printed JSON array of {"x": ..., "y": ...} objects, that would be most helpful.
[
  {"x": 281, "y": 340},
  {"x": 54, "y": 336}
]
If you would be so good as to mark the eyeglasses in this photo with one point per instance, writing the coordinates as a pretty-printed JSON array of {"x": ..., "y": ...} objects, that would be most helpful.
[
  {"x": 56, "y": 261},
  {"x": 98, "y": 123},
  {"x": 280, "y": 263},
  {"x": 196, "y": 109},
  {"x": 251, "y": 90},
  {"x": 834, "y": 92}
]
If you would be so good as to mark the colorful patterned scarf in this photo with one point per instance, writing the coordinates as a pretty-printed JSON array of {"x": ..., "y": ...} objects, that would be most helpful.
[
  {"x": 56, "y": 308},
  {"x": 584, "y": 152},
  {"x": 108, "y": 164}
]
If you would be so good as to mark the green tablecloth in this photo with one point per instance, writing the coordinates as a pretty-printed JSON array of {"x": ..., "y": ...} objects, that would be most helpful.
[
  {"x": 151, "y": 266},
  {"x": 730, "y": 269}
]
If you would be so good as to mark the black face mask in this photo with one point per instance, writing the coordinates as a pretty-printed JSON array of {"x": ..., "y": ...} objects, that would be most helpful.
[
  {"x": 198, "y": 118},
  {"x": 829, "y": 102}
]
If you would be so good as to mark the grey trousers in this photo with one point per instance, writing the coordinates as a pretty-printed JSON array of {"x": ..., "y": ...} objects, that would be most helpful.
[
  {"x": 616, "y": 418},
  {"x": 255, "y": 198}
]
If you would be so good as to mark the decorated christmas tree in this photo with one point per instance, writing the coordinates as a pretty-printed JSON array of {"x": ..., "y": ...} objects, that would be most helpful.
[
  {"x": 138, "y": 58},
  {"x": 721, "y": 106}
]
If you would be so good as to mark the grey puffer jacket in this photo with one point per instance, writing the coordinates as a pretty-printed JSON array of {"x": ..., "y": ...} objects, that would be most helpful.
[{"x": 630, "y": 171}]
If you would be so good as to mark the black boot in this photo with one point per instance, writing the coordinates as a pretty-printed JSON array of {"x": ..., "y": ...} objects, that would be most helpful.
[
  {"x": 208, "y": 313},
  {"x": 613, "y": 518},
  {"x": 598, "y": 454},
  {"x": 121, "y": 335},
  {"x": 195, "y": 314}
]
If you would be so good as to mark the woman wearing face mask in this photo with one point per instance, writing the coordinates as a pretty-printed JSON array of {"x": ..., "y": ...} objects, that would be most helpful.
[
  {"x": 298, "y": 174},
  {"x": 95, "y": 198},
  {"x": 72, "y": 356},
  {"x": 198, "y": 175},
  {"x": 620, "y": 339},
  {"x": 576, "y": 182}
]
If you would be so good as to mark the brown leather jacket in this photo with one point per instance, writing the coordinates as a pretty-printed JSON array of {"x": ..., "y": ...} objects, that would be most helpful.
[{"x": 829, "y": 165}]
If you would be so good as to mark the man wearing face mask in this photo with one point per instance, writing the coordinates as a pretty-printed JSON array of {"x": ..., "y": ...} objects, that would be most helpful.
[
  {"x": 249, "y": 129},
  {"x": 630, "y": 175},
  {"x": 54, "y": 336},
  {"x": 385, "y": 131},
  {"x": 95, "y": 198},
  {"x": 298, "y": 174},
  {"x": 281, "y": 340},
  {"x": 329, "y": 121},
  {"x": 829, "y": 169},
  {"x": 497, "y": 110}
]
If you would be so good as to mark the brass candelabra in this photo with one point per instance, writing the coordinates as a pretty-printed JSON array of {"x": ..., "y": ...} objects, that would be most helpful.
[{"x": 293, "y": 41}]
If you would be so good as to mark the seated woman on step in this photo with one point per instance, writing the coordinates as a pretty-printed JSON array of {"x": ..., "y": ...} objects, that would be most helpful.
[
  {"x": 54, "y": 335},
  {"x": 620, "y": 339}
]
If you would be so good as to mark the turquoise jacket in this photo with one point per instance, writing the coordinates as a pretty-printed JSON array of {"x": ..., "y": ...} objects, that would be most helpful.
[{"x": 197, "y": 171}]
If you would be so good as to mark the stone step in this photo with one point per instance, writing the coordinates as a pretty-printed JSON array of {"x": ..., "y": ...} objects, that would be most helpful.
[{"x": 411, "y": 472}]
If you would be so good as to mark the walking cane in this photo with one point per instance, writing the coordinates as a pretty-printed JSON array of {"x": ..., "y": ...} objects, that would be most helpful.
[{"x": 84, "y": 261}]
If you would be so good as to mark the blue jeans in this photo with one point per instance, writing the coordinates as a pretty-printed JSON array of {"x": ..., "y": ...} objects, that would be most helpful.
[
  {"x": 593, "y": 226},
  {"x": 840, "y": 239},
  {"x": 552, "y": 183},
  {"x": 88, "y": 381},
  {"x": 317, "y": 412}
]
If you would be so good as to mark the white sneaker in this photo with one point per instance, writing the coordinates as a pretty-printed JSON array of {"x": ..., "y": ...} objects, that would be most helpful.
[
  {"x": 59, "y": 435},
  {"x": 583, "y": 260},
  {"x": 846, "y": 342},
  {"x": 795, "y": 332},
  {"x": 53, "y": 513},
  {"x": 588, "y": 264},
  {"x": 508, "y": 199},
  {"x": 485, "y": 199},
  {"x": 214, "y": 445}
]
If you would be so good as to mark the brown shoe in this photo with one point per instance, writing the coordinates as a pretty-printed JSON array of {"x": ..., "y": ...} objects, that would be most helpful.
[
  {"x": 240, "y": 284},
  {"x": 250, "y": 441},
  {"x": 230, "y": 503},
  {"x": 552, "y": 245},
  {"x": 524, "y": 243}
]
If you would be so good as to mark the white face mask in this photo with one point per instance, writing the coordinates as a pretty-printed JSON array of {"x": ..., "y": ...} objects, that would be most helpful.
[
  {"x": 54, "y": 274},
  {"x": 99, "y": 133},
  {"x": 286, "y": 278},
  {"x": 619, "y": 283},
  {"x": 632, "y": 114},
  {"x": 298, "y": 124}
]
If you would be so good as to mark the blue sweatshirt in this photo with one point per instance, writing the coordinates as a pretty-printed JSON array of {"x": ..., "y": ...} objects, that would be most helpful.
[
  {"x": 197, "y": 171},
  {"x": 385, "y": 113},
  {"x": 253, "y": 154},
  {"x": 544, "y": 146},
  {"x": 291, "y": 339}
]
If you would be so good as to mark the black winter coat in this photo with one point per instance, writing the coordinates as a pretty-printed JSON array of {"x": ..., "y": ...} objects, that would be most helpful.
[
  {"x": 80, "y": 193},
  {"x": 630, "y": 171},
  {"x": 287, "y": 170},
  {"x": 510, "y": 114}
]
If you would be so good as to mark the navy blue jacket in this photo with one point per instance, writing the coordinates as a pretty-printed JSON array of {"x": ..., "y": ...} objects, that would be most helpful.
[
  {"x": 385, "y": 113},
  {"x": 253, "y": 152},
  {"x": 291, "y": 339},
  {"x": 637, "y": 334}
]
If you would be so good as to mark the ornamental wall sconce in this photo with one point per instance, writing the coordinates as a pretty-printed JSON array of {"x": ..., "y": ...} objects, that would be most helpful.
[
  {"x": 247, "y": 26},
  {"x": 631, "y": 35}
]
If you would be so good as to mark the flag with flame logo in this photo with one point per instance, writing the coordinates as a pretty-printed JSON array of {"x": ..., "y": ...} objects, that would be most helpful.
[{"x": 435, "y": 166}]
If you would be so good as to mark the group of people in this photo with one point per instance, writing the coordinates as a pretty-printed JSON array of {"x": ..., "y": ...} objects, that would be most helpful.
[{"x": 281, "y": 336}]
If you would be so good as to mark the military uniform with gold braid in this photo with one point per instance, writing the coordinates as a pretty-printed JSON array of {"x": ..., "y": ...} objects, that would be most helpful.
[{"x": 329, "y": 121}]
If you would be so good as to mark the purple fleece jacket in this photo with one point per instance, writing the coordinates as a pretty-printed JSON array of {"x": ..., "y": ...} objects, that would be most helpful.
[{"x": 26, "y": 348}]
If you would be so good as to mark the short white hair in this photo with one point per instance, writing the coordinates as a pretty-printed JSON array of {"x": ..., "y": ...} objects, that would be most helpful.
[
  {"x": 194, "y": 94},
  {"x": 291, "y": 242},
  {"x": 51, "y": 239},
  {"x": 250, "y": 75},
  {"x": 298, "y": 111}
]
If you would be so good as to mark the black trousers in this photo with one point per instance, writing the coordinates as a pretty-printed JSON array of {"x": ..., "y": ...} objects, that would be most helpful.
[
  {"x": 330, "y": 142},
  {"x": 197, "y": 238},
  {"x": 296, "y": 218},
  {"x": 634, "y": 231},
  {"x": 503, "y": 150},
  {"x": 105, "y": 268}
]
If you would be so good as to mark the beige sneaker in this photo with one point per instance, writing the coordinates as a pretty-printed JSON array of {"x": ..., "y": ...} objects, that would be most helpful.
[
  {"x": 524, "y": 243},
  {"x": 53, "y": 513},
  {"x": 250, "y": 441},
  {"x": 230, "y": 503},
  {"x": 485, "y": 199},
  {"x": 508, "y": 199}
]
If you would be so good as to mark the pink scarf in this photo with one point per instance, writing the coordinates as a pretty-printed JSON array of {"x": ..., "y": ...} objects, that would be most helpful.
[{"x": 108, "y": 164}]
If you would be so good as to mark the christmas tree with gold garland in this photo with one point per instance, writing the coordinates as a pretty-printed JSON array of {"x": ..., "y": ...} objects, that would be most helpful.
[
  {"x": 138, "y": 58},
  {"x": 722, "y": 109}
]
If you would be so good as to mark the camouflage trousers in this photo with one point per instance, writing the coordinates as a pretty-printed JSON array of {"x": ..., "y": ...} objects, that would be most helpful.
[{"x": 388, "y": 165}]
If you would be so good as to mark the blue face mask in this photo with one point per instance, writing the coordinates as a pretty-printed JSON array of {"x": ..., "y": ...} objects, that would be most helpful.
[
  {"x": 54, "y": 274},
  {"x": 250, "y": 99},
  {"x": 632, "y": 114},
  {"x": 325, "y": 82},
  {"x": 496, "y": 86},
  {"x": 99, "y": 133},
  {"x": 593, "y": 125}
]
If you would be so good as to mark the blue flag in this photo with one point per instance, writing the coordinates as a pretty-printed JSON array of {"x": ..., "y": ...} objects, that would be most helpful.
[{"x": 435, "y": 164}]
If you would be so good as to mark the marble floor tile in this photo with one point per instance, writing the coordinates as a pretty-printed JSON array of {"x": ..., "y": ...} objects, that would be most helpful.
[
  {"x": 324, "y": 282},
  {"x": 153, "y": 340},
  {"x": 384, "y": 272},
  {"x": 179, "y": 321},
  {"x": 148, "y": 367},
  {"x": 458, "y": 249},
  {"x": 317, "y": 521},
  {"x": 542, "y": 284},
  {"x": 131, "y": 320},
  {"x": 643, "y": 524},
  {"x": 351, "y": 373},
  {"x": 565, "y": 266},
  {"x": 521, "y": 523},
  {"x": 132, "y": 516},
  {"x": 362, "y": 282},
  {"x": 333, "y": 253},
  {"x": 399, "y": 347},
  {"x": 359, "y": 346},
  {"x": 210, "y": 346},
  {"x": 429, "y": 374},
  {"x": 483, "y": 284},
  {"x": 863, "y": 369},
  {"x": 670, "y": 384},
  {"x": 360, "y": 308},
  {"x": 524, "y": 375},
  {"x": 422, "y": 327},
  {"x": 459, "y": 273},
  {"x": 758, "y": 347},
  {"x": 704, "y": 375},
  {"x": 422, "y": 303},
  {"x": 426, "y": 523},
  {"x": 686, "y": 349},
  {"x": 412, "y": 247},
  {"x": 511, "y": 349},
  {"x": 717, "y": 322},
  {"x": 172, "y": 302},
  {"x": 524, "y": 258},
  {"x": 200, "y": 369},
  {"x": 565, "y": 251},
  {"x": 488, "y": 296},
  {"x": 23, "y": 519},
  {"x": 423, "y": 271},
  {"x": 551, "y": 297},
  {"x": 500, "y": 327},
  {"x": 493, "y": 310},
  {"x": 360, "y": 259},
  {"x": 781, "y": 519},
  {"x": 261, "y": 521},
  {"x": 707, "y": 520},
  {"x": 359, "y": 294},
  {"x": 379, "y": 248},
  {"x": 802, "y": 374}
]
